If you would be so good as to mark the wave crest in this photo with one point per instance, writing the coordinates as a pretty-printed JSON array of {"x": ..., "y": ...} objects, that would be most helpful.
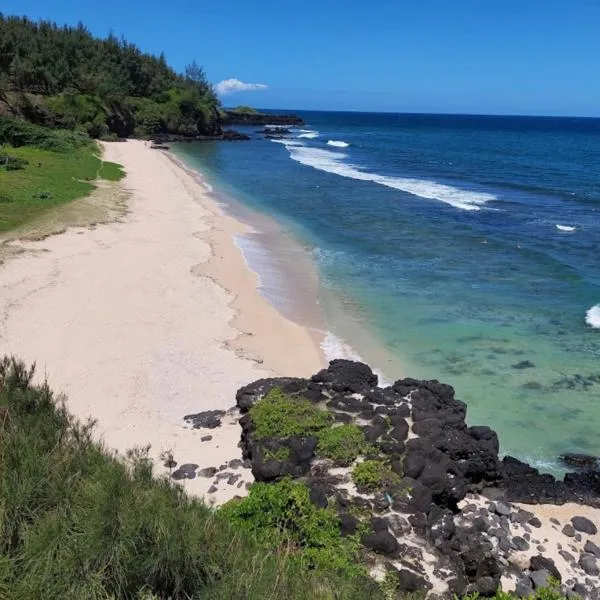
[
  {"x": 338, "y": 144},
  {"x": 311, "y": 135},
  {"x": 565, "y": 227},
  {"x": 332, "y": 162},
  {"x": 592, "y": 317}
]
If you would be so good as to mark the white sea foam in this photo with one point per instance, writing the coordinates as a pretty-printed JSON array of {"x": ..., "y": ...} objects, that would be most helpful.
[
  {"x": 332, "y": 162},
  {"x": 334, "y": 347},
  {"x": 311, "y": 135},
  {"x": 288, "y": 143},
  {"x": 592, "y": 317},
  {"x": 565, "y": 227},
  {"x": 337, "y": 144}
]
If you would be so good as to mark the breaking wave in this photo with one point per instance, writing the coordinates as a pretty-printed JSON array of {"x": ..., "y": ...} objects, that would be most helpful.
[
  {"x": 333, "y": 162},
  {"x": 592, "y": 317},
  {"x": 337, "y": 144},
  {"x": 565, "y": 227},
  {"x": 311, "y": 135}
]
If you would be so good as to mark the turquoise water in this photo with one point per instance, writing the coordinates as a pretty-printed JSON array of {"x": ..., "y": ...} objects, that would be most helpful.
[{"x": 464, "y": 248}]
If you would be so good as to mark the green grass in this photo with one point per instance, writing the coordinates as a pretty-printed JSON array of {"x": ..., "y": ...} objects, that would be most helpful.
[
  {"x": 282, "y": 416},
  {"x": 77, "y": 523},
  {"x": 111, "y": 171},
  {"x": 374, "y": 475},
  {"x": 51, "y": 178},
  {"x": 342, "y": 444}
]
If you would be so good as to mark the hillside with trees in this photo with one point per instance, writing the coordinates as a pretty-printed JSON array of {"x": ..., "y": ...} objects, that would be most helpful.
[{"x": 64, "y": 77}]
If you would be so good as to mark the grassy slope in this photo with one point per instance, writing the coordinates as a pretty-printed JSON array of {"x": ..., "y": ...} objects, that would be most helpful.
[
  {"x": 77, "y": 523},
  {"x": 50, "y": 178}
]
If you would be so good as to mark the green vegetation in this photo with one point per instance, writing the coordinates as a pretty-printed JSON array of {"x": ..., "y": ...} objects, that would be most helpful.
[
  {"x": 9, "y": 162},
  {"x": 282, "y": 515},
  {"x": 342, "y": 444},
  {"x": 374, "y": 475},
  {"x": 111, "y": 171},
  {"x": 64, "y": 77},
  {"x": 552, "y": 592},
  {"x": 77, "y": 523},
  {"x": 281, "y": 416},
  {"x": 55, "y": 167},
  {"x": 17, "y": 133},
  {"x": 245, "y": 110},
  {"x": 281, "y": 454}
]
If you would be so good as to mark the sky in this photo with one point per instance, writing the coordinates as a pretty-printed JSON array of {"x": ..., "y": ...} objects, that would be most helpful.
[{"x": 531, "y": 57}]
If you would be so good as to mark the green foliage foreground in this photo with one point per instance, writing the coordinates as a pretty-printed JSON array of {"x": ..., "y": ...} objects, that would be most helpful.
[{"x": 77, "y": 523}]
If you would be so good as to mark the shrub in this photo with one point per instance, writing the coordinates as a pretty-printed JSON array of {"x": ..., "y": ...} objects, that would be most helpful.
[
  {"x": 282, "y": 416},
  {"x": 342, "y": 444},
  {"x": 12, "y": 163},
  {"x": 17, "y": 132},
  {"x": 283, "y": 516},
  {"x": 374, "y": 475}
]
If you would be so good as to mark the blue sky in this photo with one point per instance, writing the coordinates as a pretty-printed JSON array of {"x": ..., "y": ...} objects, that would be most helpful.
[{"x": 464, "y": 56}]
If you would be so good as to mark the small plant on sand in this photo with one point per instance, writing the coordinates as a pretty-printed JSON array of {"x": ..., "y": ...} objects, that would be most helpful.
[
  {"x": 374, "y": 475},
  {"x": 280, "y": 415},
  {"x": 342, "y": 444}
]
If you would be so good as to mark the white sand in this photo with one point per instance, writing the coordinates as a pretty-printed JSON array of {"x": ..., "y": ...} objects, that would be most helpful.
[{"x": 139, "y": 322}]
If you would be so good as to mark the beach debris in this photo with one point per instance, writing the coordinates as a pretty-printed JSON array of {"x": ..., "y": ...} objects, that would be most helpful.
[{"x": 206, "y": 438}]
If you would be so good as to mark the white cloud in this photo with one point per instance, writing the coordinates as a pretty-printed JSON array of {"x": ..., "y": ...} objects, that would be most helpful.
[{"x": 230, "y": 86}]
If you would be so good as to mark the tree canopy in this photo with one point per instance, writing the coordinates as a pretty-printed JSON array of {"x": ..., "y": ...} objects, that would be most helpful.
[{"x": 63, "y": 76}]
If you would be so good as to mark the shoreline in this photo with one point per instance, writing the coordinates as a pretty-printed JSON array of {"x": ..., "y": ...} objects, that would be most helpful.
[
  {"x": 292, "y": 258},
  {"x": 148, "y": 318}
]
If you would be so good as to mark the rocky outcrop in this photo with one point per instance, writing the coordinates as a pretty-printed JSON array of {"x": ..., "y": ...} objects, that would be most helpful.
[
  {"x": 443, "y": 518},
  {"x": 232, "y": 117}
]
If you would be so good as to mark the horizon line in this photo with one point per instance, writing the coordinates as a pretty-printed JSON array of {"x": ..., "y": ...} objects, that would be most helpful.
[{"x": 450, "y": 114}]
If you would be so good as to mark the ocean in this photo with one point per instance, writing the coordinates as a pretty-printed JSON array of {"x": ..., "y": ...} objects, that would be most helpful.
[{"x": 459, "y": 248}]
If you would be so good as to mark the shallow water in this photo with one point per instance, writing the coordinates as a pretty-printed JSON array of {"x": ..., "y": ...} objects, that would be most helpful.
[{"x": 458, "y": 248}]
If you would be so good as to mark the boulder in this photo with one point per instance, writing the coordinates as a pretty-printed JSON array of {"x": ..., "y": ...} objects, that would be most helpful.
[
  {"x": 540, "y": 578},
  {"x": 591, "y": 548},
  {"x": 584, "y": 525},
  {"x": 381, "y": 542},
  {"x": 410, "y": 582},
  {"x": 581, "y": 462},
  {"x": 347, "y": 376},
  {"x": 209, "y": 419},
  {"x": 589, "y": 565},
  {"x": 538, "y": 563}
]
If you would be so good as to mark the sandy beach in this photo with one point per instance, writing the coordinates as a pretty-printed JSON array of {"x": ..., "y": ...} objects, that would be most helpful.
[{"x": 151, "y": 317}]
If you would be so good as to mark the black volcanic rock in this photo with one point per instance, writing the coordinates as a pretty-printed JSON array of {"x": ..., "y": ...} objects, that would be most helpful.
[
  {"x": 231, "y": 135},
  {"x": 382, "y": 542},
  {"x": 347, "y": 376},
  {"x": 432, "y": 467},
  {"x": 232, "y": 117},
  {"x": 583, "y": 462},
  {"x": 209, "y": 419},
  {"x": 584, "y": 525}
]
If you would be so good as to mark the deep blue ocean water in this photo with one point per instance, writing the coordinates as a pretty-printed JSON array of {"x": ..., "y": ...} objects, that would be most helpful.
[{"x": 465, "y": 248}]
